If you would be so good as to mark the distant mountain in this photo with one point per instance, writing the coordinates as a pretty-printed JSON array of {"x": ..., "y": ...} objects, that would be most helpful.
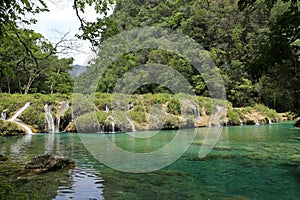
[{"x": 77, "y": 70}]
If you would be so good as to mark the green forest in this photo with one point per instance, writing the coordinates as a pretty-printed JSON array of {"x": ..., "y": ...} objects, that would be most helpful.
[{"x": 255, "y": 45}]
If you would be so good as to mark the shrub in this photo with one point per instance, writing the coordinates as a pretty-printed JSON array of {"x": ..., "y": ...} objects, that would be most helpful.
[
  {"x": 234, "y": 116},
  {"x": 8, "y": 128},
  {"x": 102, "y": 99},
  {"x": 174, "y": 106},
  {"x": 138, "y": 116},
  {"x": 265, "y": 111},
  {"x": 87, "y": 123},
  {"x": 172, "y": 122}
]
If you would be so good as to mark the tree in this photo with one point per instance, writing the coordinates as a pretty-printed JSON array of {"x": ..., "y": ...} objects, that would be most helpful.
[
  {"x": 14, "y": 11},
  {"x": 26, "y": 56}
]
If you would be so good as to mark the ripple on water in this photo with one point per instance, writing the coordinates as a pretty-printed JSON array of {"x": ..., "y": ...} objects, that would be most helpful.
[{"x": 86, "y": 185}]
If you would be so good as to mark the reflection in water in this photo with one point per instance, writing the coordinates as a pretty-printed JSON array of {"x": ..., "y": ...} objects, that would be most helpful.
[
  {"x": 49, "y": 142},
  {"x": 85, "y": 185},
  {"x": 21, "y": 143},
  {"x": 80, "y": 183}
]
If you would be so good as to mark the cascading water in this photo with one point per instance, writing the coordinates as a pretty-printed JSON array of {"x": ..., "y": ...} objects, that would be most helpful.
[
  {"x": 63, "y": 108},
  {"x": 106, "y": 108},
  {"x": 113, "y": 125},
  {"x": 3, "y": 115},
  {"x": 196, "y": 111},
  {"x": 270, "y": 121},
  {"x": 57, "y": 124},
  {"x": 241, "y": 122},
  {"x": 26, "y": 128},
  {"x": 256, "y": 122},
  {"x": 19, "y": 112},
  {"x": 49, "y": 122},
  {"x": 131, "y": 124}
]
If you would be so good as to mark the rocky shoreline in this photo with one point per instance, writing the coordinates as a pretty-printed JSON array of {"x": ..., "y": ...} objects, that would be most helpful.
[{"x": 140, "y": 112}]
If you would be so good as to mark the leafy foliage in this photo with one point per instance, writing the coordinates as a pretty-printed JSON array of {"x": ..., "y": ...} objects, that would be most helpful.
[
  {"x": 10, "y": 129},
  {"x": 29, "y": 64}
]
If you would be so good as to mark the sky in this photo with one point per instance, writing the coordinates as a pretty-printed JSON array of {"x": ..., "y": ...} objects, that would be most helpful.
[{"x": 60, "y": 20}]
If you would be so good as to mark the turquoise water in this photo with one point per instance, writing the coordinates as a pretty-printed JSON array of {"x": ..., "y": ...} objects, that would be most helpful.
[{"x": 248, "y": 162}]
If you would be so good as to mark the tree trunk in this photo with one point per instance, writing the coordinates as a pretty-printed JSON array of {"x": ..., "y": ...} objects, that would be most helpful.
[
  {"x": 52, "y": 88},
  {"x": 8, "y": 84},
  {"x": 28, "y": 85}
]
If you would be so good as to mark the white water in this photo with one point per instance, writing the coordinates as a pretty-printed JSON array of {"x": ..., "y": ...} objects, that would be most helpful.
[
  {"x": 63, "y": 108},
  {"x": 197, "y": 112},
  {"x": 209, "y": 124},
  {"x": 19, "y": 112},
  {"x": 27, "y": 129},
  {"x": 270, "y": 121},
  {"x": 3, "y": 115},
  {"x": 131, "y": 124},
  {"x": 241, "y": 122},
  {"x": 49, "y": 120},
  {"x": 113, "y": 126},
  {"x": 106, "y": 108},
  {"x": 57, "y": 124},
  {"x": 256, "y": 122}
]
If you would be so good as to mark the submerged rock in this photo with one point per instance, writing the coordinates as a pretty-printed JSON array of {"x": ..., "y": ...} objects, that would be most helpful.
[
  {"x": 2, "y": 158},
  {"x": 49, "y": 162}
]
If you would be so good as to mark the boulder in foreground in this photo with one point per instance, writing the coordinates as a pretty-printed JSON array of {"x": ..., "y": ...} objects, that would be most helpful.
[{"x": 49, "y": 162}]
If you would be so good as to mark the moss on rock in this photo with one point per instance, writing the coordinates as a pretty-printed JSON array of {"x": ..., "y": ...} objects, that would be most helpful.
[{"x": 8, "y": 128}]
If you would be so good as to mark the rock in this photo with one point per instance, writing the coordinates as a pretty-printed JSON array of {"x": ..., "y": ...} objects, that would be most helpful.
[
  {"x": 297, "y": 138},
  {"x": 2, "y": 158},
  {"x": 297, "y": 123},
  {"x": 49, "y": 162}
]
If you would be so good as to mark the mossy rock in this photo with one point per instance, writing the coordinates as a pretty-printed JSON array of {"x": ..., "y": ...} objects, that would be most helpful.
[
  {"x": 8, "y": 128},
  {"x": 49, "y": 162}
]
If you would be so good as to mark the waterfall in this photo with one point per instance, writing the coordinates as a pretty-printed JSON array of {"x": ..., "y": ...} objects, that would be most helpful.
[
  {"x": 48, "y": 120},
  {"x": 57, "y": 124},
  {"x": 131, "y": 124},
  {"x": 256, "y": 122},
  {"x": 241, "y": 122},
  {"x": 19, "y": 112},
  {"x": 209, "y": 124},
  {"x": 197, "y": 112},
  {"x": 63, "y": 108},
  {"x": 3, "y": 115},
  {"x": 113, "y": 126},
  {"x": 26, "y": 128},
  {"x": 270, "y": 121},
  {"x": 106, "y": 108}
]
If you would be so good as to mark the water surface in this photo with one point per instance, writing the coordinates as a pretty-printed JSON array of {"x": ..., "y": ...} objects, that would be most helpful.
[{"x": 248, "y": 162}]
